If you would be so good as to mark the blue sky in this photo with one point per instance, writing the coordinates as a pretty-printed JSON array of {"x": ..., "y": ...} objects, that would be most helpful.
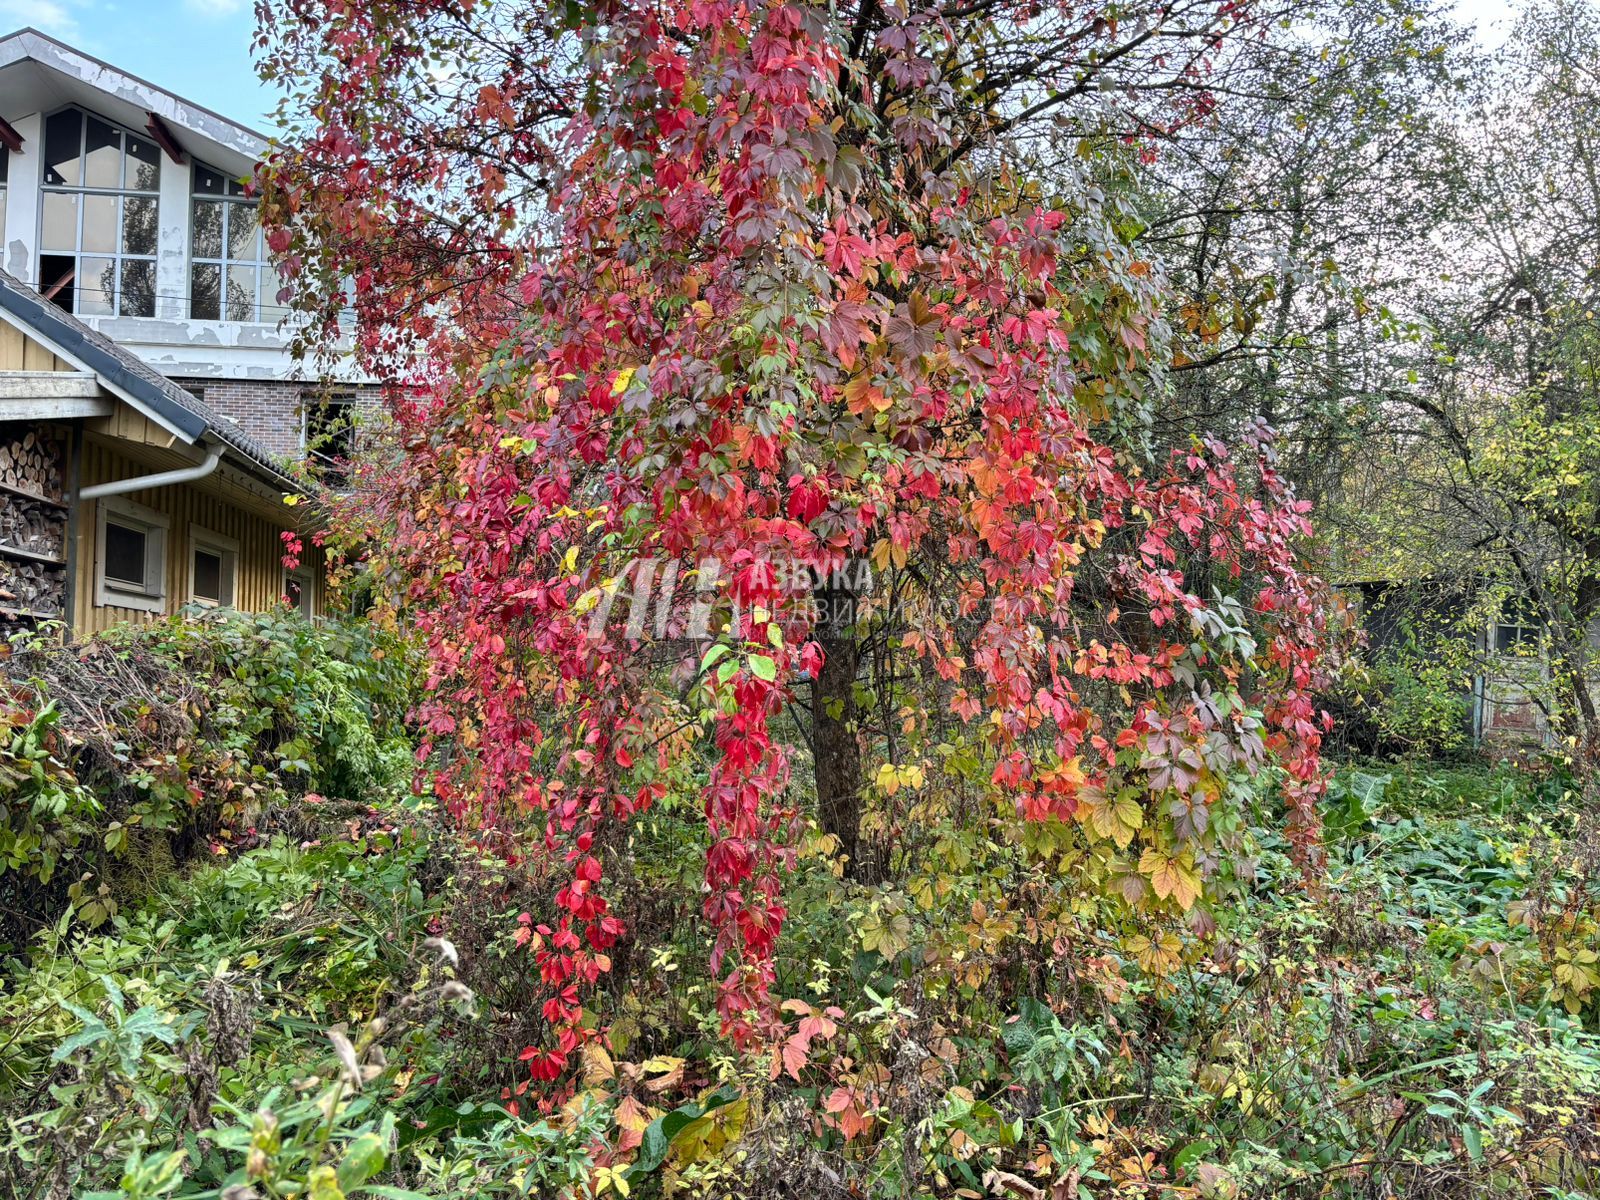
[{"x": 199, "y": 49}]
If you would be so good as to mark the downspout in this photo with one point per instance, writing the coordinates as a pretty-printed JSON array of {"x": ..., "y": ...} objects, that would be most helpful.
[{"x": 139, "y": 483}]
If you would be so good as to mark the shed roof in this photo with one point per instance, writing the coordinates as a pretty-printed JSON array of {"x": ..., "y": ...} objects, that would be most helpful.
[{"x": 123, "y": 373}]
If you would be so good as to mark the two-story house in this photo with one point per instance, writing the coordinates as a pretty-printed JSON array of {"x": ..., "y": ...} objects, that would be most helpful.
[{"x": 149, "y": 405}]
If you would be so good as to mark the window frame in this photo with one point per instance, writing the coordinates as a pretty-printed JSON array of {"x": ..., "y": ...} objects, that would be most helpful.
[
  {"x": 1524, "y": 626},
  {"x": 122, "y": 193},
  {"x": 225, "y": 548},
  {"x": 227, "y": 200},
  {"x": 154, "y": 526},
  {"x": 301, "y": 575}
]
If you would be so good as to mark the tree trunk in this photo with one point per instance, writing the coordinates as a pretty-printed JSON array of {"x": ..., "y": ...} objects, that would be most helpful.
[{"x": 835, "y": 752}]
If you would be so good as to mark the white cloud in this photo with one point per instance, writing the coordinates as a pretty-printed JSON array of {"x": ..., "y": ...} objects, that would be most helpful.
[{"x": 47, "y": 16}]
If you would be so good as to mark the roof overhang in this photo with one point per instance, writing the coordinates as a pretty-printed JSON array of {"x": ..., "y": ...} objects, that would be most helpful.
[
  {"x": 40, "y": 74},
  {"x": 122, "y": 375},
  {"x": 64, "y": 337}
]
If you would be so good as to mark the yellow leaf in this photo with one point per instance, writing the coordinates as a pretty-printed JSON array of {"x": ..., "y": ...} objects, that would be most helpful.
[
  {"x": 597, "y": 1064},
  {"x": 1173, "y": 878},
  {"x": 706, "y": 1136}
]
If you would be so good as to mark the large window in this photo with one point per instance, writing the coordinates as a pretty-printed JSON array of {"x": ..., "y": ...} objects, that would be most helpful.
[
  {"x": 97, "y": 236},
  {"x": 5, "y": 177},
  {"x": 230, "y": 278}
]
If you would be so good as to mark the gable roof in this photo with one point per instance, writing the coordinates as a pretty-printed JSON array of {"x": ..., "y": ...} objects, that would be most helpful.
[
  {"x": 36, "y": 61},
  {"x": 179, "y": 411}
]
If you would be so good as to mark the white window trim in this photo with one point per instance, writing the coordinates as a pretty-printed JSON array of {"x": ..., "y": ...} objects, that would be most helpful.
[
  {"x": 307, "y": 583},
  {"x": 227, "y": 549},
  {"x": 266, "y": 277},
  {"x": 155, "y": 526},
  {"x": 122, "y": 193}
]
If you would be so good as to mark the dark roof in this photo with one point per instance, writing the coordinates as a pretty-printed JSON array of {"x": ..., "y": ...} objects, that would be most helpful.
[{"x": 180, "y": 410}]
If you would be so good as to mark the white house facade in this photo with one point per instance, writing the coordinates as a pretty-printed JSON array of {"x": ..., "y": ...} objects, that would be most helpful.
[{"x": 125, "y": 205}]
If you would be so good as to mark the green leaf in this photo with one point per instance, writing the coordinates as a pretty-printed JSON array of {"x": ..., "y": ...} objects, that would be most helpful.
[
  {"x": 84, "y": 1037},
  {"x": 363, "y": 1159},
  {"x": 659, "y": 1135},
  {"x": 763, "y": 667},
  {"x": 149, "y": 1023},
  {"x": 118, "y": 1001},
  {"x": 1190, "y": 1153}
]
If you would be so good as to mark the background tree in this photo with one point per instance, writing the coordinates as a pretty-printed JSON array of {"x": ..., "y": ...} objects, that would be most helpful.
[
  {"x": 1295, "y": 233},
  {"x": 1485, "y": 473}
]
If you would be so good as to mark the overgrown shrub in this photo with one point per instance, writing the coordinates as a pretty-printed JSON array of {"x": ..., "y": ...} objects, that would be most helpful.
[
  {"x": 1423, "y": 707},
  {"x": 123, "y": 754}
]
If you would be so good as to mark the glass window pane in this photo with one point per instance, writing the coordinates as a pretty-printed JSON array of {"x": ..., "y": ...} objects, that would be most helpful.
[
  {"x": 63, "y": 145},
  {"x": 5, "y": 163},
  {"x": 272, "y": 312},
  {"x": 236, "y": 188},
  {"x": 100, "y": 224},
  {"x": 204, "y": 292},
  {"x": 274, "y": 295},
  {"x": 97, "y": 287},
  {"x": 143, "y": 166},
  {"x": 207, "y": 229},
  {"x": 242, "y": 231},
  {"x": 241, "y": 294},
  {"x": 138, "y": 287},
  {"x": 139, "y": 225},
  {"x": 60, "y": 226},
  {"x": 208, "y": 576},
  {"x": 125, "y": 557},
  {"x": 102, "y": 155}
]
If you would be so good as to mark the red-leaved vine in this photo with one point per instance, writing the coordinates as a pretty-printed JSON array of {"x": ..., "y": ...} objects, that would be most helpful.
[{"x": 712, "y": 305}]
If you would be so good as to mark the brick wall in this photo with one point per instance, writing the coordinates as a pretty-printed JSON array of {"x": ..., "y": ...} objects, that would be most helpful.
[{"x": 268, "y": 410}]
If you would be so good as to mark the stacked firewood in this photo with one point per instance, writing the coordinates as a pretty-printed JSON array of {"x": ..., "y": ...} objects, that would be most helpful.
[
  {"x": 31, "y": 460},
  {"x": 25, "y": 525},
  {"x": 35, "y": 588},
  {"x": 32, "y": 463}
]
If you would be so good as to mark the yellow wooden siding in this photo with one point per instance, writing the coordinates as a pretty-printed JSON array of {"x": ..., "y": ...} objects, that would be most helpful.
[
  {"x": 259, "y": 581},
  {"x": 21, "y": 353},
  {"x": 128, "y": 425}
]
